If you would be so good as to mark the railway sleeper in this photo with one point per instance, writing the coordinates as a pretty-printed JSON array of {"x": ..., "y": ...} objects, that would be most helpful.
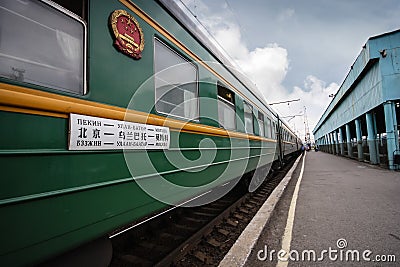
[{"x": 211, "y": 241}]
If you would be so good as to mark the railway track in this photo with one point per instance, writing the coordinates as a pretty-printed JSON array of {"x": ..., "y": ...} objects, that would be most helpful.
[{"x": 196, "y": 236}]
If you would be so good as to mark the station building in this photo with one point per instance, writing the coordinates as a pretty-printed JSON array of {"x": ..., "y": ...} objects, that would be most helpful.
[{"x": 362, "y": 120}]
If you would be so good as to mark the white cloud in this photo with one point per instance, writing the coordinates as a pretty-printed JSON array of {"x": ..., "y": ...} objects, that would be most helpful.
[
  {"x": 230, "y": 38},
  {"x": 267, "y": 67},
  {"x": 286, "y": 14},
  {"x": 315, "y": 97}
]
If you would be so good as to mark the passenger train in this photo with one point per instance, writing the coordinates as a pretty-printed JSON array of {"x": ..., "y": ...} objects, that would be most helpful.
[{"x": 112, "y": 111}]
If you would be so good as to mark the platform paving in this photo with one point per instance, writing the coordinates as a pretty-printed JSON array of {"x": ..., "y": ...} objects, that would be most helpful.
[{"x": 345, "y": 207}]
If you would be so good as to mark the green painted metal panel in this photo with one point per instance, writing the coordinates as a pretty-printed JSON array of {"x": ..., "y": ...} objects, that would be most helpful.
[{"x": 53, "y": 199}]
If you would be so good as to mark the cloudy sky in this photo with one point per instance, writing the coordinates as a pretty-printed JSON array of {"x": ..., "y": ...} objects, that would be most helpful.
[{"x": 296, "y": 49}]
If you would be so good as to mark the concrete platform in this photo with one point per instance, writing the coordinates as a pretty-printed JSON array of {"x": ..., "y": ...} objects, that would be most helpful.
[{"x": 346, "y": 213}]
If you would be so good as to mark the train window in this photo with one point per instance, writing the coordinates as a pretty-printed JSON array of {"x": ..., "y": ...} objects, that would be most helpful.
[
  {"x": 175, "y": 83},
  {"x": 273, "y": 130},
  {"x": 268, "y": 132},
  {"x": 261, "y": 123},
  {"x": 226, "y": 108},
  {"x": 42, "y": 44},
  {"x": 248, "y": 118}
]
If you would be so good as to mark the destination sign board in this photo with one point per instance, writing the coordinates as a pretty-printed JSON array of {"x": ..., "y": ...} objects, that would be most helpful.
[{"x": 94, "y": 133}]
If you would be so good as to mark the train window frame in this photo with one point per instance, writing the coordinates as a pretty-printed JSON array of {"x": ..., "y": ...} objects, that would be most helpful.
[
  {"x": 225, "y": 98},
  {"x": 66, "y": 4},
  {"x": 43, "y": 69},
  {"x": 261, "y": 124},
  {"x": 273, "y": 128},
  {"x": 268, "y": 128},
  {"x": 250, "y": 111},
  {"x": 157, "y": 98}
]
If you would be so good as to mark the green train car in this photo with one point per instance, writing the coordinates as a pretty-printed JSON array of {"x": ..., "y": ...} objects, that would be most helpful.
[{"x": 112, "y": 111}]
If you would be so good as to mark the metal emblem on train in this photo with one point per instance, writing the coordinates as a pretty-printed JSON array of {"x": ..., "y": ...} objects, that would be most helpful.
[{"x": 129, "y": 37}]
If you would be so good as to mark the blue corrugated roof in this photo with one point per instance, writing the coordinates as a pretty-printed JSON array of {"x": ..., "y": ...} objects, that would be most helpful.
[{"x": 374, "y": 74}]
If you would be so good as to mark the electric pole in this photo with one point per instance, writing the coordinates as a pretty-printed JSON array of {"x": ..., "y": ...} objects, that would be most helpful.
[{"x": 307, "y": 137}]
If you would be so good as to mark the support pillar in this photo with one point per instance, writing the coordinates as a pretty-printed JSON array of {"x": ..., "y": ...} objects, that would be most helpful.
[
  {"x": 328, "y": 148},
  {"x": 326, "y": 144},
  {"x": 332, "y": 144},
  {"x": 359, "y": 140},
  {"x": 348, "y": 139},
  {"x": 341, "y": 141},
  {"x": 391, "y": 132},
  {"x": 371, "y": 138},
  {"x": 321, "y": 147},
  {"x": 335, "y": 138},
  {"x": 377, "y": 139}
]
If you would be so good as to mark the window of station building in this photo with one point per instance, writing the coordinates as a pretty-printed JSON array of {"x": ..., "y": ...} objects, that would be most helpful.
[
  {"x": 261, "y": 127},
  {"x": 268, "y": 131},
  {"x": 175, "y": 83},
  {"x": 43, "y": 43},
  {"x": 226, "y": 108},
  {"x": 248, "y": 118}
]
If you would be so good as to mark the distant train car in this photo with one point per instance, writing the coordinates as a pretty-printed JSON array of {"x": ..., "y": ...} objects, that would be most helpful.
[{"x": 111, "y": 111}]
